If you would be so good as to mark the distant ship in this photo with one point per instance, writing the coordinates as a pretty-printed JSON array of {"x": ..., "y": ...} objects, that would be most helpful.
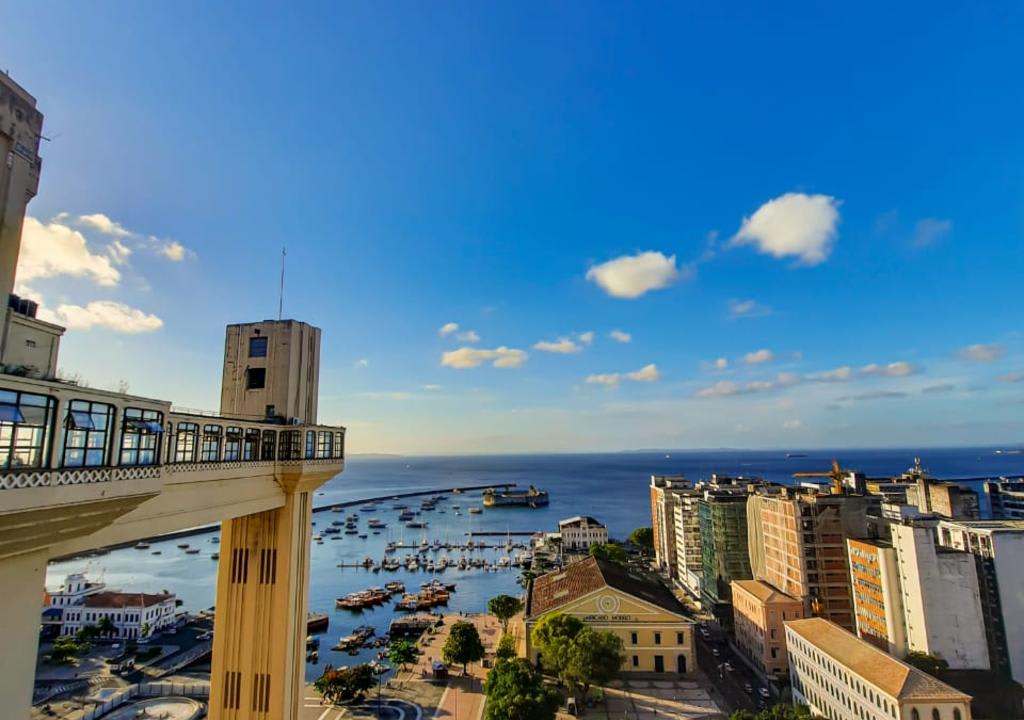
[
  {"x": 532, "y": 498},
  {"x": 795, "y": 455}
]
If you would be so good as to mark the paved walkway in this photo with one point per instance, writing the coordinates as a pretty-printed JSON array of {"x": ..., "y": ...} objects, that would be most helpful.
[{"x": 643, "y": 699}]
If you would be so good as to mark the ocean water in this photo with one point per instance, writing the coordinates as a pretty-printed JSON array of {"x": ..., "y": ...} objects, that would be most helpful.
[{"x": 611, "y": 487}]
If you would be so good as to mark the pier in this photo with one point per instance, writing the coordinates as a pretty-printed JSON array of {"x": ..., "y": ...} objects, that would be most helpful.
[{"x": 414, "y": 493}]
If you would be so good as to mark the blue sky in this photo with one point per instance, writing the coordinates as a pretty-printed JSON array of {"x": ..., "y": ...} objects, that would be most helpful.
[{"x": 807, "y": 218}]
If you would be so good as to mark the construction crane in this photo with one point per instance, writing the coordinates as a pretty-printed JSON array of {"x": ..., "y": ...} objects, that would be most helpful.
[{"x": 836, "y": 473}]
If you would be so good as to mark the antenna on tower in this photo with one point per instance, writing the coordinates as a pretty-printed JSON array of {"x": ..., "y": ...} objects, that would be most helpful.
[{"x": 280, "y": 295}]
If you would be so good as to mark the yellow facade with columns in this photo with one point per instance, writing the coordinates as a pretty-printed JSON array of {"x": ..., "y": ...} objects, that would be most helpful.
[{"x": 656, "y": 633}]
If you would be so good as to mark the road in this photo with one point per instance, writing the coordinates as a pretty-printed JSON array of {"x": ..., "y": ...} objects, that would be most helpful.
[{"x": 729, "y": 683}]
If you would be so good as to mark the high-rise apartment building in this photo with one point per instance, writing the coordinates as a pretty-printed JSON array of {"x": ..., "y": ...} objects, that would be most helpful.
[
  {"x": 801, "y": 548},
  {"x": 1006, "y": 498},
  {"x": 939, "y": 590},
  {"x": 877, "y": 596},
  {"x": 689, "y": 561},
  {"x": 997, "y": 547},
  {"x": 722, "y": 515},
  {"x": 663, "y": 501}
]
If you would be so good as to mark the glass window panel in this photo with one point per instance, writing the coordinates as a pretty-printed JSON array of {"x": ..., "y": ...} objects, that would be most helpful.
[{"x": 10, "y": 413}]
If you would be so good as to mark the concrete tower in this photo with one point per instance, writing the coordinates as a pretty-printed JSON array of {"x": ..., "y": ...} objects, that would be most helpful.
[{"x": 271, "y": 370}]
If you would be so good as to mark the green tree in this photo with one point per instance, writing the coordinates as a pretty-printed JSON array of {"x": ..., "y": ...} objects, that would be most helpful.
[
  {"x": 549, "y": 637},
  {"x": 612, "y": 552},
  {"x": 930, "y": 664},
  {"x": 463, "y": 645},
  {"x": 782, "y": 711},
  {"x": 506, "y": 648},
  {"x": 345, "y": 684},
  {"x": 402, "y": 653},
  {"x": 643, "y": 537},
  {"x": 105, "y": 627},
  {"x": 592, "y": 657},
  {"x": 145, "y": 629},
  {"x": 516, "y": 691},
  {"x": 525, "y": 577},
  {"x": 504, "y": 607},
  {"x": 65, "y": 648},
  {"x": 87, "y": 634}
]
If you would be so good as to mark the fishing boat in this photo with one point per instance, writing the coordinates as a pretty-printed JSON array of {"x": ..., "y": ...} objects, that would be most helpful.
[
  {"x": 156, "y": 552},
  {"x": 354, "y": 641},
  {"x": 192, "y": 551},
  {"x": 183, "y": 546},
  {"x": 416, "y": 524},
  {"x": 374, "y": 523},
  {"x": 317, "y": 622},
  {"x": 474, "y": 510},
  {"x": 141, "y": 545},
  {"x": 215, "y": 556}
]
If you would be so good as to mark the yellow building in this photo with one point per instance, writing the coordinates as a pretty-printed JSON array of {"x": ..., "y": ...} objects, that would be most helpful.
[
  {"x": 759, "y": 611},
  {"x": 841, "y": 677},
  {"x": 657, "y": 635}
]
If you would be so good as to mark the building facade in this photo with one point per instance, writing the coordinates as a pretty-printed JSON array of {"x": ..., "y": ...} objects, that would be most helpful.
[
  {"x": 725, "y": 556},
  {"x": 877, "y": 596},
  {"x": 134, "y": 616},
  {"x": 271, "y": 370},
  {"x": 841, "y": 677},
  {"x": 997, "y": 547},
  {"x": 580, "y": 532},
  {"x": 802, "y": 547},
  {"x": 663, "y": 500},
  {"x": 689, "y": 560},
  {"x": 1006, "y": 498},
  {"x": 656, "y": 632},
  {"x": 940, "y": 596},
  {"x": 759, "y": 614}
]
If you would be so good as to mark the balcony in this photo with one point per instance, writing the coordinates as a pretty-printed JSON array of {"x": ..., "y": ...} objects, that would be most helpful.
[{"x": 82, "y": 468}]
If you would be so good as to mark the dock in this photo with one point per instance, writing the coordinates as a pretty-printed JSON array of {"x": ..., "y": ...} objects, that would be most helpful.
[{"x": 414, "y": 493}]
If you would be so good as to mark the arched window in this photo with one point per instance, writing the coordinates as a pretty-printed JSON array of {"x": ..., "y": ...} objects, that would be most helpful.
[
  {"x": 956, "y": 714},
  {"x": 915, "y": 715},
  {"x": 935, "y": 714}
]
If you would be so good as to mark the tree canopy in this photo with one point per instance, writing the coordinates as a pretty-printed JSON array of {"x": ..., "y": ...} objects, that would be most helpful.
[
  {"x": 782, "y": 711},
  {"x": 516, "y": 691},
  {"x": 611, "y": 552},
  {"x": 344, "y": 684},
  {"x": 643, "y": 537},
  {"x": 463, "y": 645},
  {"x": 506, "y": 648},
  {"x": 504, "y": 607},
  {"x": 590, "y": 658},
  {"x": 930, "y": 664},
  {"x": 402, "y": 652},
  {"x": 105, "y": 627}
]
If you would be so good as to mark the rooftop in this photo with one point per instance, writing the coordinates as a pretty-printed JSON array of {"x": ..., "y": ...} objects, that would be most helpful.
[
  {"x": 763, "y": 591},
  {"x": 993, "y": 525},
  {"x": 893, "y": 677},
  {"x": 561, "y": 587},
  {"x": 579, "y": 520},
  {"x": 113, "y": 599}
]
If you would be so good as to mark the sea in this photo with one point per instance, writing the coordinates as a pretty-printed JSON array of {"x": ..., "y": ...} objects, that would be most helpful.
[{"x": 611, "y": 487}]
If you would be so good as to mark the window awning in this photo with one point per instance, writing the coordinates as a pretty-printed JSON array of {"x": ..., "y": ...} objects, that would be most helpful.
[
  {"x": 81, "y": 420},
  {"x": 148, "y": 426},
  {"x": 10, "y": 413}
]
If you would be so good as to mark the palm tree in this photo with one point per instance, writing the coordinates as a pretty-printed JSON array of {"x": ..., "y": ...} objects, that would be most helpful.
[{"x": 106, "y": 626}]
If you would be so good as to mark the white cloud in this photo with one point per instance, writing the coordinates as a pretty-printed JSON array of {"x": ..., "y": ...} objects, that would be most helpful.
[
  {"x": 722, "y": 388},
  {"x": 721, "y": 363},
  {"x": 469, "y": 336},
  {"x": 981, "y": 353},
  {"x": 587, "y": 337},
  {"x": 119, "y": 252},
  {"x": 563, "y": 346},
  {"x": 173, "y": 251},
  {"x": 467, "y": 357},
  {"x": 648, "y": 373},
  {"x": 102, "y": 223},
  {"x": 432, "y": 387},
  {"x": 448, "y": 329},
  {"x": 792, "y": 425},
  {"x": 840, "y": 374},
  {"x": 928, "y": 231},
  {"x": 105, "y": 314},
  {"x": 747, "y": 308},
  {"x": 620, "y": 336},
  {"x": 794, "y": 224},
  {"x": 630, "y": 276},
  {"x": 54, "y": 249},
  {"x": 361, "y": 363},
  {"x": 896, "y": 369},
  {"x": 758, "y": 357}
]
